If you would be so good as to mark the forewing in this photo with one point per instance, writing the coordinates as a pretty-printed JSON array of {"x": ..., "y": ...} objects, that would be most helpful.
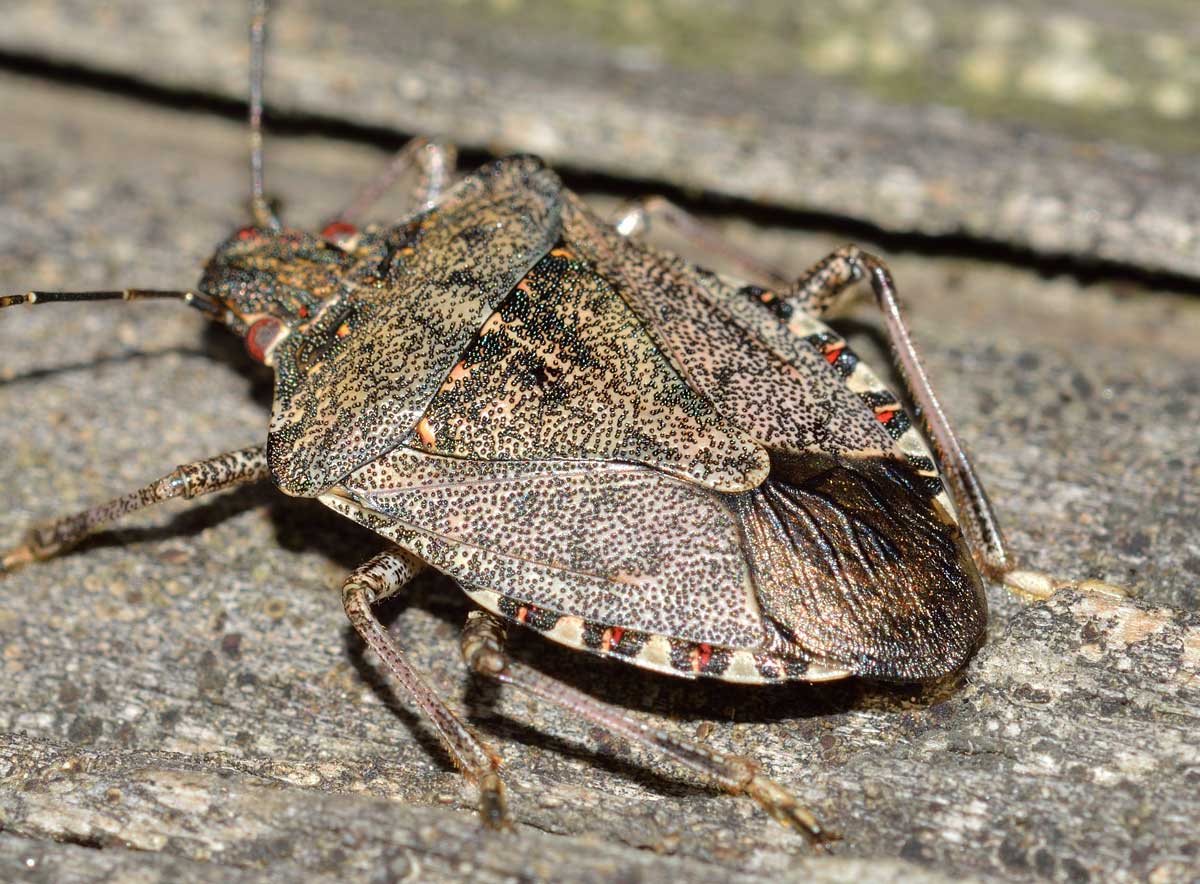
[
  {"x": 760, "y": 375},
  {"x": 617, "y": 544},
  {"x": 444, "y": 279},
  {"x": 854, "y": 551},
  {"x": 565, "y": 369}
]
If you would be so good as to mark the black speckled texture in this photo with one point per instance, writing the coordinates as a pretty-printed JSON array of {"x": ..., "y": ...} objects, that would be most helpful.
[{"x": 182, "y": 697}]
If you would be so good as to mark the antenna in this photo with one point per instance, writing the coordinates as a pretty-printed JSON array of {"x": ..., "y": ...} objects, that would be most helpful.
[
  {"x": 198, "y": 300},
  {"x": 259, "y": 207}
]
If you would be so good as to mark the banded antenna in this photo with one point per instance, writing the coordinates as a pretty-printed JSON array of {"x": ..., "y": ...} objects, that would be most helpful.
[{"x": 259, "y": 207}]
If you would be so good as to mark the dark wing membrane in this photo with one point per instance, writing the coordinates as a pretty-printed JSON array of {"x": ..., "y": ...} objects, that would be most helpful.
[
  {"x": 755, "y": 371},
  {"x": 850, "y": 553},
  {"x": 617, "y": 544},
  {"x": 461, "y": 260},
  {"x": 860, "y": 567}
]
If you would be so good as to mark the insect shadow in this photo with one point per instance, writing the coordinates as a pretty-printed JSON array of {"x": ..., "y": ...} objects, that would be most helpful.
[
  {"x": 221, "y": 347},
  {"x": 98, "y": 362},
  {"x": 807, "y": 707}
]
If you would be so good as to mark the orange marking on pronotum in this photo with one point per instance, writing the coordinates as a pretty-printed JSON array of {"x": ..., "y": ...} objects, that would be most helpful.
[
  {"x": 522, "y": 613},
  {"x": 832, "y": 354},
  {"x": 701, "y": 654},
  {"x": 563, "y": 253},
  {"x": 342, "y": 330},
  {"x": 884, "y": 416},
  {"x": 425, "y": 432}
]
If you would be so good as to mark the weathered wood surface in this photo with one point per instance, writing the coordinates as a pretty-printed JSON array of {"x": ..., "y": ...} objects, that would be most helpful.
[
  {"x": 1068, "y": 131},
  {"x": 182, "y": 698}
]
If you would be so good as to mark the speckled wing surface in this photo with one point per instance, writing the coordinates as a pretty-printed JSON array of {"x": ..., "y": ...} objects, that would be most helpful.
[
  {"x": 613, "y": 543},
  {"x": 855, "y": 555},
  {"x": 624, "y": 441},
  {"x": 456, "y": 264}
]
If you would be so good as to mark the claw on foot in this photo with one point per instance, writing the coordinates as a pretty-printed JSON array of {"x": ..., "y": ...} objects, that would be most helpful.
[
  {"x": 783, "y": 806},
  {"x": 16, "y": 557},
  {"x": 1038, "y": 585},
  {"x": 492, "y": 806},
  {"x": 35, "y": 548}
]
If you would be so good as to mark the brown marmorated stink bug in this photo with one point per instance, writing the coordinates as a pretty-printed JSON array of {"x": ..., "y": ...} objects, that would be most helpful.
[{"x": 631, "y": 455}]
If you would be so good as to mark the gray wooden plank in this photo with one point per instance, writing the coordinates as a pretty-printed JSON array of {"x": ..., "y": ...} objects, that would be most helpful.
[
  {"x": 196, "y": 659},
  {"x": 1068, "y": 131}
]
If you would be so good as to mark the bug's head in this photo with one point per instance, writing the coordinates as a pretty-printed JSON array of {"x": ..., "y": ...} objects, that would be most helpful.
[
  {"x": 265, "y": 281},
  {"x": 270, "y": 282}
]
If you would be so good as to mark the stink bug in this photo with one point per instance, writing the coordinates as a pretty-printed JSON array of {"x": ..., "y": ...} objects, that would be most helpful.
[{"x": 635, "y": 457}]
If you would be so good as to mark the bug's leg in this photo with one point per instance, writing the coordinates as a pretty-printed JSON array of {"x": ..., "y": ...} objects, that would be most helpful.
[
  {"x": 636, "y": 218},
  {"x": 189, "y": 480},
  {"x": 383, "y": 576},
  {"x": 483, "y": 650},
  {"x": 434, "y": 161},
  {"x": 821, "y": 289},
  {"x": 818, "y": 292}
]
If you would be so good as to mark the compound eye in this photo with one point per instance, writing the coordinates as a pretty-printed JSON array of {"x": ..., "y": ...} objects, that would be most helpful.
[{"x": 262, "y": 336}]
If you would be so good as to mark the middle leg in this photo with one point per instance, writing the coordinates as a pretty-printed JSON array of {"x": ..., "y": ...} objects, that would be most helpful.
[
  {"x": 483, "y": 649},
  {"x": 384, "y": 576}
]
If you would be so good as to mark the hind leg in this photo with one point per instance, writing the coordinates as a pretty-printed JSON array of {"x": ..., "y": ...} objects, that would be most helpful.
[
  {"x": 636, "y": 219},
  {"x": 822, "y": 289}
]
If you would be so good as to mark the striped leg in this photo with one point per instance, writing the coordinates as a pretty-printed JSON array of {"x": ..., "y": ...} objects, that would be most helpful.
[
  {"x": 818, "y": 292},
  {"x": 821, "y": 289},
  {"x": 189, "y": 480},
  {"x": 383, "y": 576},
  {"x": 483, "y": 649}
]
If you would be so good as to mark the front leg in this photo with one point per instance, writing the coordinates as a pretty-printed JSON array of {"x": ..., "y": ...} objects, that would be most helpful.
[
  {"x": 434, "y": 161},
  {"x": 383, "y": 576},
  {"x": 189, "y": 480}
]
